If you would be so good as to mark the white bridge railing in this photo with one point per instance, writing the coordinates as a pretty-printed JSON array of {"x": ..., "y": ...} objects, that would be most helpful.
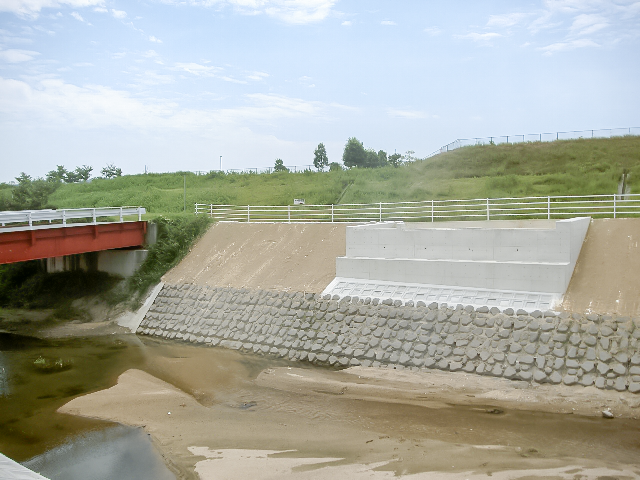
[
  {"x": 36, "y": 219},
  {"x": 550, "y": 207}
]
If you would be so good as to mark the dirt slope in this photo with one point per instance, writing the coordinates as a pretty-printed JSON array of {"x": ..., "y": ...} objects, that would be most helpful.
[
  {"x": 285, "y": 257},
  {"x": 607, "y": 275}
]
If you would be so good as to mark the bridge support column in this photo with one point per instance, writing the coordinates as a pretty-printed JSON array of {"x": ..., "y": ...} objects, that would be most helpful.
[{"x": 115, "y": 262}]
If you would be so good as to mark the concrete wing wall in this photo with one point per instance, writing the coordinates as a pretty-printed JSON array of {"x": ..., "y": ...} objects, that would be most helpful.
[{"x": 528, "y": 259}]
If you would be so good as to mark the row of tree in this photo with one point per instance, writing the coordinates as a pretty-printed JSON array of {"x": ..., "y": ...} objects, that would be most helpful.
[
  {"x": 80, "y": 174},
  {"x": 33, "y": 193},
  {"x": 355, "y": 155}
]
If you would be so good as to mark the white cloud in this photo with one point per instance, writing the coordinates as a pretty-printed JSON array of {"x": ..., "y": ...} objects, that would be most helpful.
[
  {"x": 77, "y": 16},
  {"x": 433, "y": 31},
  {"x": 505, "y": 20},
  {"x": 198, "y": 69},
  {"x": 120, "y": 14},
  {"x": 154, "y": 78},
  {"x": 83, "y": 64},
  {"x": 566, "y": 46},
  {"x": 31, "y": 8},
  {"x": 154, "y": 39},
  {"x": 59, "y": 104},
  {"x": 9, "y": 37},
  {"x": 101, "y": 10},
  {"x": 257, "y": 76},
  {"x": 17, "y": 56},
  {"x": 586, "y": 24},
  {"x": 407, "y": 114},
  {"x": 290, "y": 11},
  {"x": 201, "y": 70},
  {"x": 388, "y": 22},
  {"x": 479, "y": 37},
  {"x": 346, "y": 23}
]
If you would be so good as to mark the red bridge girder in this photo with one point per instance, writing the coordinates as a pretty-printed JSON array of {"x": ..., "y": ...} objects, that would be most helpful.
[{"x": 35, "y": 244}]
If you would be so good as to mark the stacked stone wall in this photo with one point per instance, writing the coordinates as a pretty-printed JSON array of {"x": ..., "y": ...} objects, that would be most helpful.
[{"x": 537, "y": 347}]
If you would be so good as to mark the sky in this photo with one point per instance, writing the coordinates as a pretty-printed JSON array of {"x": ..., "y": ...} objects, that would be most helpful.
[{"x": 175, "y": 85}]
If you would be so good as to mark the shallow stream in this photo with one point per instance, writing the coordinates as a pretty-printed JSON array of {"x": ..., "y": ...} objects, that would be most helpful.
[{"x": 38, "y": 376}]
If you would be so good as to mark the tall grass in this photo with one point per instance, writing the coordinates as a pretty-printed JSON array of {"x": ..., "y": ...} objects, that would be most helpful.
[{"x": 571, "y": 167}]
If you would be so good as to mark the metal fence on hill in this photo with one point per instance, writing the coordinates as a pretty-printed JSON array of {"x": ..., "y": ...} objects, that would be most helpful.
[
  {"x": 538, "y": 137},
  {"x": 550, "y": 207}
]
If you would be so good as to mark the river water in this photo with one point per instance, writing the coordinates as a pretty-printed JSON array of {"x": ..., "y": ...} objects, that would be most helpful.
[{"x": 37, "y": 376}]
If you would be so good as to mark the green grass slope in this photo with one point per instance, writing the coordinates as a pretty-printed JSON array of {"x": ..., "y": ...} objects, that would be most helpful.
[{"x": 572, "y": 167}]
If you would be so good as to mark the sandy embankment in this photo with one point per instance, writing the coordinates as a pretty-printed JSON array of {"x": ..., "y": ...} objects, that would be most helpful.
[{"x": 284, "y": 257}]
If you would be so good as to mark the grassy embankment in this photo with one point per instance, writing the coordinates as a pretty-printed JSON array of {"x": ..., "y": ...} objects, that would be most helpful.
[{"x": 572, "y": 167}]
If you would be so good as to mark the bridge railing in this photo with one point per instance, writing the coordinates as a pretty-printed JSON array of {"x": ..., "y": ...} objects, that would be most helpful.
[
  {"x": 509, "y": 208},
  {"x": 28, "y": 219}
]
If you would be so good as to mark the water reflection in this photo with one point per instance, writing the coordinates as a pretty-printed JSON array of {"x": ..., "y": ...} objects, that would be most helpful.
[
  {"x": 39, "y": 376},
  {"x": 4, "y": 385},
  {"x": 118, "y": 452}
]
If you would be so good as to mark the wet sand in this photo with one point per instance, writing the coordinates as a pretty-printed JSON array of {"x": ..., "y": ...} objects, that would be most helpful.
[{"x": 214, "y": 413}]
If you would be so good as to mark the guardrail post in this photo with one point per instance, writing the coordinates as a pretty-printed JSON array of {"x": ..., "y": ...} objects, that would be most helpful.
[
  {"x": 488, "y": 215},
  {"x": 211, "y": 210},
  {"x": 614, "y": 205},
  {"x": 30, "y": 221},
  {"x": 288, "y": 213},
  {"x": 248, "y": 214},
  {"x": 380, "y": 211},
  {"x": 139, "y": 214},
  {"x": 93, "y": 215},
  {"x": 549, "y": 208},
  {"x": 432, "y": 211},
  {"x": 64, "y": 217},
  {"x": 120, "y": 214},
  {"x": 332, "y": 213}
]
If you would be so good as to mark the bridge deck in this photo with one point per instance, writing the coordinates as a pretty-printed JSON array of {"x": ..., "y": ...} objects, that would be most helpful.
[{"x": 38, "y": 234}]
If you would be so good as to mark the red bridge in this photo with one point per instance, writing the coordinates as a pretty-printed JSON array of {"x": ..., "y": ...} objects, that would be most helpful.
[{"x": 38, "y": 234}]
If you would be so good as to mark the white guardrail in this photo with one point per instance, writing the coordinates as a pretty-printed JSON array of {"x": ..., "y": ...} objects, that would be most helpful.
[
  {"x": 550, "y": 207},
  {"x": 38, "y": 219}
]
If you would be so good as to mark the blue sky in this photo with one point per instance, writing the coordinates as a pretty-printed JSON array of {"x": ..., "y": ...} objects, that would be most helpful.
[{"x": 174, "y": 85}]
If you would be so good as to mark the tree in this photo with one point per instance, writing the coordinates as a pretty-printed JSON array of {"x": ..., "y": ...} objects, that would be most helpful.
[
  {"x": 354, "y": 153},
  {"x": 375, "y": 160},
  {"x": 31, "y": 194},
  {"x": 395, "y": 160},
  {"x": 408, "y": 156},
  {"x": 58, "y": 175},
  {"x": 320, "y": 159},
  {"x": 279, "y": 166},
  {"x": 335, "y": 167},
  {"x": 83, "y": 173},
  {"x": 111, "y": 171}
]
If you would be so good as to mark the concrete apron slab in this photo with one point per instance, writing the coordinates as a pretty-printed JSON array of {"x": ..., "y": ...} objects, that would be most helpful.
[{"x": 451, "y": 295}]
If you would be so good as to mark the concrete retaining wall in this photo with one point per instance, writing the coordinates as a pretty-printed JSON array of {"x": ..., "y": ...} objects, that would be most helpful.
[
  {"x": 524, "y": 259},
  {"x": 533, "y": 347}
]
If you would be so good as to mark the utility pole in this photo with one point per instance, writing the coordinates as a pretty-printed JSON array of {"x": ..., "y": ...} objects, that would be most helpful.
[{"x": 221, "y": 163}]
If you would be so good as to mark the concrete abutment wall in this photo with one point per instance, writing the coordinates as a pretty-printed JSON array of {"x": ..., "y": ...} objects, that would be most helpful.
[{"x": 537, "y": 347}]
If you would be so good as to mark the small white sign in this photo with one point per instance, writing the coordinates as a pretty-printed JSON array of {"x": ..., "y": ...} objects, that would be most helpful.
[{"x": 298, "y": 201}]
